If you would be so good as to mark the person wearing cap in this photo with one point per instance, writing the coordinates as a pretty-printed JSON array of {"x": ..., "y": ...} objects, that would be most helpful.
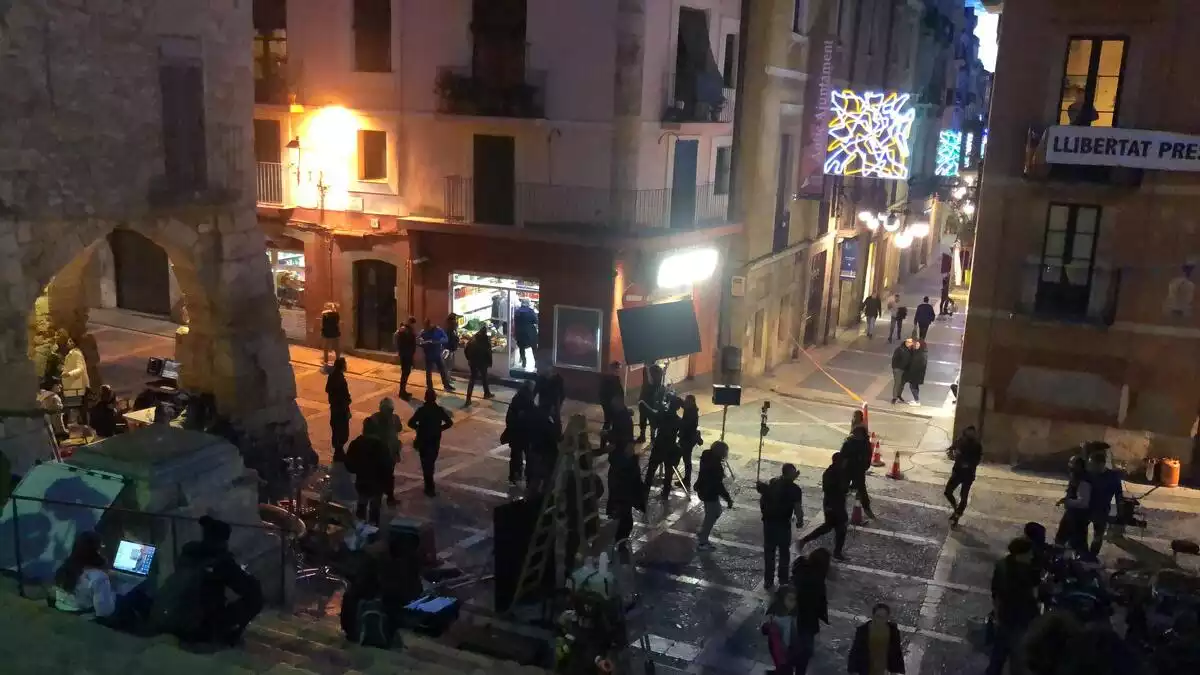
[{"x": 221, "y": 621}]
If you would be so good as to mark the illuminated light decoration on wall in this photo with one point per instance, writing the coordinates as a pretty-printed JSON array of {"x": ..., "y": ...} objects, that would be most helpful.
[
  {"x": 869, "y": 135},
  {"x": 949, "y": 153},
  {"x": 968, "y": 150},
  {"x": 983, "y": 144},
  {"x": 328, "y": 142}
]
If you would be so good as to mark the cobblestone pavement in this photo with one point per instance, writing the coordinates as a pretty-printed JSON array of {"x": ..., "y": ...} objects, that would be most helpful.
[{"x": 706, "y": 608}]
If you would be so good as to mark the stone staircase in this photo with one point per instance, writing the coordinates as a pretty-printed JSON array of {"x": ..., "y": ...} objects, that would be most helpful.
[{"x": 37, "y": 639}]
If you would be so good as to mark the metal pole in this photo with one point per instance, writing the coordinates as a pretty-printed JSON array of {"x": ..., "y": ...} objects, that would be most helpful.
[
  {"x": 724, "y": 416},
  {"x": 17, "y": 545}
]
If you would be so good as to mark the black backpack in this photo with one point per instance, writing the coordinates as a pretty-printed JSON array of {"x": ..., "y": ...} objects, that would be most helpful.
[
  {"x": 178, "y": 607},
  {"x": 372, "y": 626}
]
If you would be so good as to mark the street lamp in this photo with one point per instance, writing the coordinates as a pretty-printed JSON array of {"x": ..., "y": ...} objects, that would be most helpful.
[
  {"x": 968, "y": 209},
  {"x": 891, "y": 223},
  {"x": 293, "y": 148},
  {"x": 903, "y": 240},
  {"x": 918, "y": 230}
]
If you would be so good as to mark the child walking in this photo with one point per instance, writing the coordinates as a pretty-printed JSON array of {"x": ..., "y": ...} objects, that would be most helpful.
[{"x": 782, "y": 631}]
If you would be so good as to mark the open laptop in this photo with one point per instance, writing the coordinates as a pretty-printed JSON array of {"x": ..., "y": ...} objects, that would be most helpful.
[{"x": 132, "y": 565}]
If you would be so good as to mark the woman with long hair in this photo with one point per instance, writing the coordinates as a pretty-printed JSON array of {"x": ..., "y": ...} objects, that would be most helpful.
[{"x": 81, "y": 584}]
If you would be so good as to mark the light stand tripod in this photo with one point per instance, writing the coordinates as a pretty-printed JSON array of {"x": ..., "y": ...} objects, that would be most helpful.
[{"x": 763, "y": 430}]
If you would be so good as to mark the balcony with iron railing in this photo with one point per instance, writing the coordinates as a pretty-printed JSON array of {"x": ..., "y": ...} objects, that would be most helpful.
[
  {"x": 577, "y": 209},
  {"x": 271, "y": 182},
  {"x": 1071, "y": 293},
  {"x": 1038, "y": 169},
  {"x": 459, "y": 91},
  {"x": 697, "y": 97}
]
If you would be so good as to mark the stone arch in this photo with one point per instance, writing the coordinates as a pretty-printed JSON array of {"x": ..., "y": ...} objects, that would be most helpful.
[{"x": 233, "y": 345}]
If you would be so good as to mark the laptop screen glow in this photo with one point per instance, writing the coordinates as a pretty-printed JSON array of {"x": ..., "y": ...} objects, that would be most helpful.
[{"x": 134, "y": 558}]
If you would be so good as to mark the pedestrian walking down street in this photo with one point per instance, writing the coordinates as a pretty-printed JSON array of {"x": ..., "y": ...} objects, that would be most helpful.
[
  {"x": 433, "y": 340},
  {"x": 337, "y": 391},
  {"x": 1098, "y": 487},
  {"x": 856, "y": 450},
  {"x": 689, "y": 437},
  {"x": 429, "y": 421},
  {"x": 612, "y": 399},
  {"x": 897, "y": 312},
  {"x": 914, "y": 373},
  {"x": 650, "y": 400},
  {"x": 812, "y": 605},
  {"x": 371, "y": 463},
  {"x": 625, "y": 493},
  {"x": 944, "y": 305},
  {"x": 901, "y": 357},
  {"x": 406, "y": 351},
  {"x": 871, "y": 310},
  {"x": 779, "y": 503},
  {"x": 664, "y": 450},
  {"x": 525, "y": 330},
  {"x": 711, "y": 490},
  {"x": 877, "y": 648},
  {"x": 967, "y": 453},
  {"x": 834, "y": 488},
  {"x": 387, "y": 426},
  {"x": 452, "y": 341},
  {"x": 516, "y": 430},
  {"x": 331, "y": 333},
  {"x": 479, "y": 360},
  {"x": 924, "y": 318},
  {"x": 545, "y": 433},
  {"x": 1014, "y": 601}
]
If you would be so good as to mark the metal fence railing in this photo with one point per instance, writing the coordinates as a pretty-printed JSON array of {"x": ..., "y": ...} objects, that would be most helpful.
[
  {"x": 697, "y": 97},
  {"x": 269, "y": 178},
  {"x": 31, "y": 531},
  {"x": 576, "y": 207},
  {"x": 460, "y": 91}
]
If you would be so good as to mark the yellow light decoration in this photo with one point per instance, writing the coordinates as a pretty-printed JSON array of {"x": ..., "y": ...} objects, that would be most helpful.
[
  {"x": 328, "y": 140},
  {"x": 869, "y": 134}
]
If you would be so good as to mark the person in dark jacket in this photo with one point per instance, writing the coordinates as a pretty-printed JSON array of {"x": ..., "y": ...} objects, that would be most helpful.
[
  {"x": 1098, "y": 488},
  {"x": 433, "y": 340},
  {"x": 650, "y": 400},
  {"x": 924, "y": 318},
  {"x": 389, "y": 572},
  {"x": 914, "y": 373},
  {"x": 331, "y": 332},
  {"x": 525, "y": 330},
  {"x": 387, "y": 426},
  {"x": 901, "y": 357},
  {"x": 479, "y": 359},
  {"x": 429, "y": 421},
  {"x": 611, "y": 391},
  {"x": 551, "y": 392},
  {"x": 664, "y": 449},
  {"x": 452, "y": 341},
  {"x": 338, "y": 393},
  {"x": 809, "y": 574},
  {"x": 877, "y": 648},
  {"x": 545, "y": 433},
  {"x": 834, "y": 488},
  {"x": 944, "y": 305},
  {"x": 967, "y": 453},
  {"x": 711, "y": 490},
  {"x": 856, "y": 450},
  {"x": 689, "y": 436},
  {"x": 103, "y": 417},
  {"x": 1014, "y": 599},
  {"x": 898, "y": 313},
  {"x": 871, "y": 309},
  {"x": 780, "y": 503},
  {"x": 516, "y": 430},
  {"x": 370, "y": 461},
  {"x": 406, "y": 352},
  {"x": 620, "y": 433},
  {"x": 625, "y": 493},
  {"x": 223, "y": 622}
]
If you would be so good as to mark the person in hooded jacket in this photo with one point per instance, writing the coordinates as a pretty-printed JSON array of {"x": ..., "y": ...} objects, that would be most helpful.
[
  {"x": 664, "y": 449},
  {"x": 517, "y": 432},
  {"x": 479, "y": 360},
  {"x": 650, "y": 401},
  {"x": 856, "y": 450},
  {"x": 914, "y": 372},
  {"x": 370, "y": 461},
  {"x": 387, "y": 426},
  {"x": 338, "y": 393}
]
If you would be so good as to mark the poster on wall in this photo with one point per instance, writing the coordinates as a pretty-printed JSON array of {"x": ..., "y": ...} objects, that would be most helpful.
[
  {"x": 577, "y": 337},
  {"x": 849, "y": 268}
]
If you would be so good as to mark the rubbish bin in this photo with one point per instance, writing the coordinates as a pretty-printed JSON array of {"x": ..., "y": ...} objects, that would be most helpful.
[{"x": 1168, "y": 473}]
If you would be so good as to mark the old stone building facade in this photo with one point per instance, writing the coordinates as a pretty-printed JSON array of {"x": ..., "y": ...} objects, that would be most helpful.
[{"x": 143, "y": 126}]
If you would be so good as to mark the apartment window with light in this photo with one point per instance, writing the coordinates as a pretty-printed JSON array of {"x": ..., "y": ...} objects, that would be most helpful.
[
  {"x": 1091, "y": 88},
  {"x": 1068, "y": 259},
  {"x": 721, "y": 171},
  {"x": 373, "y": 36},
  {"x": 372, "y": 155}
]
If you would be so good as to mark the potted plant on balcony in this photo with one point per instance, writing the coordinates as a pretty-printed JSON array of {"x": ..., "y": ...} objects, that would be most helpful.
[{"x": 454, "y": 92}]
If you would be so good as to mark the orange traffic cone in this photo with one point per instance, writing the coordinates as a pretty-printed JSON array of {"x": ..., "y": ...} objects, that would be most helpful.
[
  {"x": 876, "y": 456},
  {"x": 856, "y": 516},
  {"x": 895, "y": 474},
  {"x": 866, "y": 415}
]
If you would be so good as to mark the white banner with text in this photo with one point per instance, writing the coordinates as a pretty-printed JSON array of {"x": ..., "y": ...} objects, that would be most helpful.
[{"x": 1133, "y": 148}]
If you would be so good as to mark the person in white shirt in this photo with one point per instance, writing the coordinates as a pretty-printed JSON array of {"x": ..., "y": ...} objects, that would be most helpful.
[{"x": 81, "y": 584}]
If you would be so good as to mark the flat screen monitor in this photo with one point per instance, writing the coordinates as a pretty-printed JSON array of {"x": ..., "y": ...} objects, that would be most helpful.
[{"x": 656, "y": 332}]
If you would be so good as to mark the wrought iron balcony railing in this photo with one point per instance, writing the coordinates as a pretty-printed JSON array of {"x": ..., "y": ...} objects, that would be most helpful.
[
  {"x": 461, "y": 92},
  {"x": 697, "y": 97}
]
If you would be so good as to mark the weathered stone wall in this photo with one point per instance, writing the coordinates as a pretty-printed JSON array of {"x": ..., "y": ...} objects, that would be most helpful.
[{"x": 81, "y": 152}]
